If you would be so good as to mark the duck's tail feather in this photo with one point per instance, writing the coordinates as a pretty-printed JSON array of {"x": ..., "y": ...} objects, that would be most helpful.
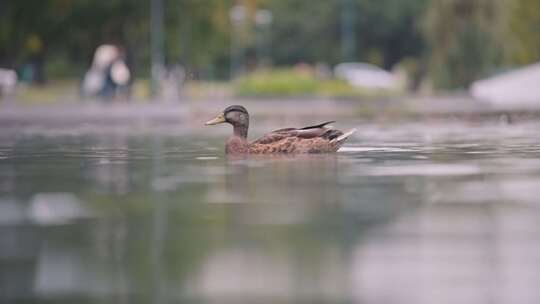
[{"x": 340, "y": 139}]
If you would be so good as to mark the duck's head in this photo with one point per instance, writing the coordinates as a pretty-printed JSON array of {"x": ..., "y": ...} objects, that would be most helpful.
[{"x": 235, "y": 115}]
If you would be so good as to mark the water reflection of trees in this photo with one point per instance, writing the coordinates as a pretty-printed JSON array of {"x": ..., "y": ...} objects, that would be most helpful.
[{"x": 293, "y": 228}]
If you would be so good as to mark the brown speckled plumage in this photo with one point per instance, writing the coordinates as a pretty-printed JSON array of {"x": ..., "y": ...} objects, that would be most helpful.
[{"x": 313, "y": 139}]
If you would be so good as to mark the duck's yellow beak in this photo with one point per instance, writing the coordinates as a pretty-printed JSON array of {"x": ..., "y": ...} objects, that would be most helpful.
[{"x": 219, "y": 119}]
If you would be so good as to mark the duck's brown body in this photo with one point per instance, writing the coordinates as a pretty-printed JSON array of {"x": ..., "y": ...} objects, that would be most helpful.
[
  {"x": 313, "y": 139},
  {"x": 292, "y": 145}
]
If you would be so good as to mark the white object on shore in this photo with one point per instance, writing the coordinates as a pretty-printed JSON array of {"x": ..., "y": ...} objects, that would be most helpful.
[
  {"x": 365, "y": 75},
  {"x": 520, "y": 86},
  {"x": 8, "y": 82}
]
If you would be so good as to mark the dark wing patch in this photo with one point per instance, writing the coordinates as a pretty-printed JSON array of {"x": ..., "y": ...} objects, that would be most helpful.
[
  {"x": 332, "y": 134},
  {"x": 317, "y": 126}
]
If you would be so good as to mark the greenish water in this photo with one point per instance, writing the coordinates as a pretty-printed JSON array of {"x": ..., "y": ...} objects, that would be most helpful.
[{"x": 404, "y": 214}]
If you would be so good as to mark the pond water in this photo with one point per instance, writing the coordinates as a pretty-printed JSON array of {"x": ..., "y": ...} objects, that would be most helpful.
[{"x": 415, "y": 213}]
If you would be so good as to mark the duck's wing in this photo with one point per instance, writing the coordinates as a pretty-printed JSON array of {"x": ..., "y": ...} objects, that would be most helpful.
[
  {"x": 314, "y": 131},
  {"x": 324, "y": 124},
  {"x": 274, "y": 136},
  {"x": 304, "y": 128}
]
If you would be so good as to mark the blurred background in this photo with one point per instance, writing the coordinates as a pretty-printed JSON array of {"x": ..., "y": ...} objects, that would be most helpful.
[
  {"x": 260, "y": 48},
  {"x": 113, "y": 191}
]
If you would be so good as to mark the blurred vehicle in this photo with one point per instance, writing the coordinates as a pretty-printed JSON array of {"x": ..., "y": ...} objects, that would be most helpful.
[
  {"x": 510, "y": 88},
  {"x": 109, "y": 75},
  {"x": 8, "y": 82},
  {"x": 365, "y": 75}
]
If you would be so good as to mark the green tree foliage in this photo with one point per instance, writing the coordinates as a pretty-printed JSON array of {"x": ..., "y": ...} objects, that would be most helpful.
[
  {"x": 390, "y": 28},
  {"x": 302, "y": 31},
  {"x": 68, "y": 30},
  {"x": 524, "y": 31},
  {"x": 386, "y": 31},
  {"x": 196, "y": 30},
  {"x": 464, "y": 40},
  {"x": 470, "y": 39},
  {"x": 460, "y": 40},
  {"x": 198, "y": 34}
]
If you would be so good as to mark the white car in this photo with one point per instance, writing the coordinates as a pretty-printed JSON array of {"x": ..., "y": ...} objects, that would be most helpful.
[{"x": 366, "y": 75}]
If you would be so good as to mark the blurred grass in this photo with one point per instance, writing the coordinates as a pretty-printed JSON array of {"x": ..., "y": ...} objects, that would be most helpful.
[
  {"x": 275, "y": 84},
  {"x": 335, "y": 88},
  {"x": 293, "y": 83},
  {"x": 54, "y": 91},
  {"x": 68, "y": 91},
  {"x": 281, "y": 83},
  {"x": 206, "y": 89}
]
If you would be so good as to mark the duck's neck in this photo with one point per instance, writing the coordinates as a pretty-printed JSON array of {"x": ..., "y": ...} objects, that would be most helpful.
[{"x": 240, "y": 131}]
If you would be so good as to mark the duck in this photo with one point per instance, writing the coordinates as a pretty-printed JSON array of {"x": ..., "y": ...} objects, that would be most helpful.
[{"x": 320, "y": 138}]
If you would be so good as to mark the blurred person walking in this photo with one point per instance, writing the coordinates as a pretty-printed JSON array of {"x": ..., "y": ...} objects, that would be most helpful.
[{"x": 109, "y": 76}]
